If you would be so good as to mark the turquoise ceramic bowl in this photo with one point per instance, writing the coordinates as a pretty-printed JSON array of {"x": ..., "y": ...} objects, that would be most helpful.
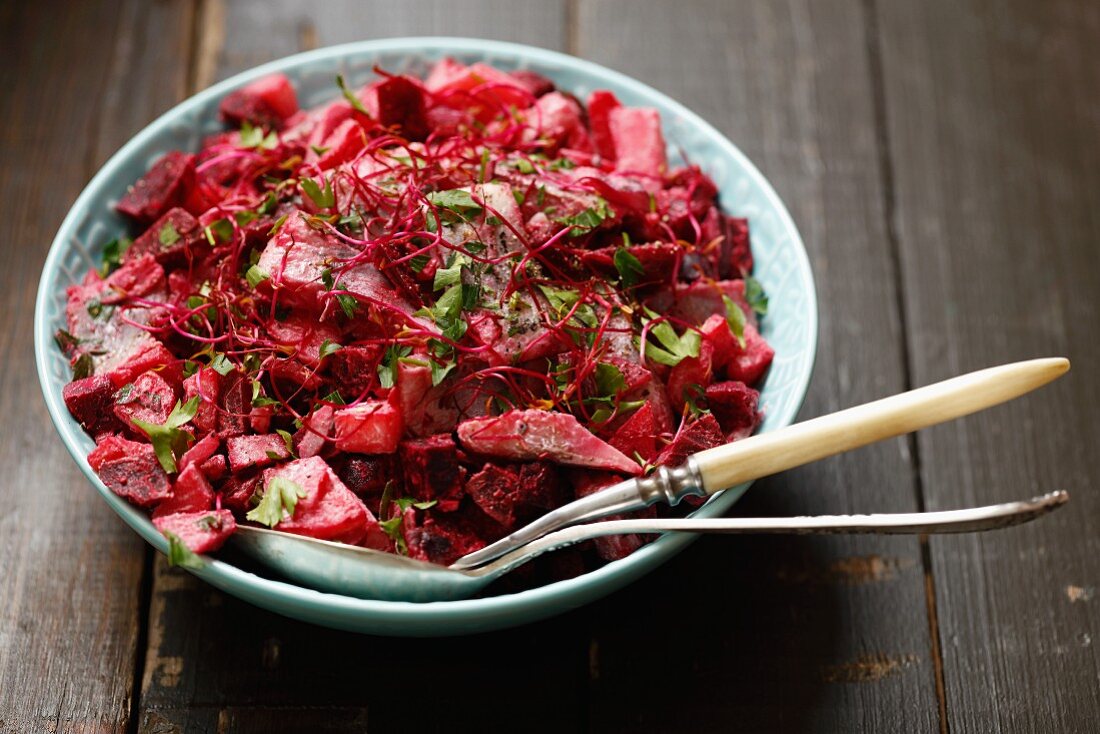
[{"x": 782, "y": 267}]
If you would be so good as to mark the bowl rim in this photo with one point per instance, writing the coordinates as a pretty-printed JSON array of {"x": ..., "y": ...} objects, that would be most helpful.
[{"x": 373, "y": 615}]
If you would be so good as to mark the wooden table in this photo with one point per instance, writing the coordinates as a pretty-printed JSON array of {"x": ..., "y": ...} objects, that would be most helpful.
[{"x": 942, "y": 160}]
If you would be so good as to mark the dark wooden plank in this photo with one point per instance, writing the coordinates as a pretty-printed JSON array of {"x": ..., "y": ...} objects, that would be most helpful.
[
  {"x": 783, "y": 634},
  {"x": 71, "y": 575},
  {"x": 993, "y": 116},
  {"x": 216, "y": 664}
]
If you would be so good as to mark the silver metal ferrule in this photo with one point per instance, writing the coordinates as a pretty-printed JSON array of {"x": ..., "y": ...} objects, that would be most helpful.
[{"x": 672, "y": 484}]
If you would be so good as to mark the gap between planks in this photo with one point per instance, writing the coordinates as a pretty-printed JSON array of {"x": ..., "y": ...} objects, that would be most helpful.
[{"x": 886, "y": 173}]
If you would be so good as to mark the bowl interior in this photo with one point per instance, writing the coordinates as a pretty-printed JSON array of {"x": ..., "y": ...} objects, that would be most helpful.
[{"x": 781, "y": 266}]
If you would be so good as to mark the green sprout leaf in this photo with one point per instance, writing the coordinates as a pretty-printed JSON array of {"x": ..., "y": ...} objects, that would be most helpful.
[
  {"x": 754, "y": 294},
  {"x": 256, "y": 275},
  {"x": 354, "y": 101},
  {"x": 329, "y": 347},
  {"x": 179, "y": 555},
  {"x": 169, "y": 442},
  {"x": 323, "y": 198},
  {"x": 735, "y": 317},
  {"x": 629, "y": 267},
  {"x": 168, "y": 235},
  {"x": 280, "y": 498}
]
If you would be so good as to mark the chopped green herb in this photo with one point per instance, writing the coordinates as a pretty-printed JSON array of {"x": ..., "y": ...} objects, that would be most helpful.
[
  {"x": 735, "y": 317},
  {"x": 254, "y": 137},
  {"x": 754, "y": 294},
  {"x": 287, "y": 439},
  {"x": 458, "y": 201},
  {"x": 256, "y": 275},
  {"x": 323, "y": 198},
  {"x": 673, "y": 348},
  {"x": 221, "y": 364},
  {"x": 179, "y": 555},
  {"x": 329, "y": 347},
  {"x": 65, "y": 341},
  {"x": 113, "y": 252},
  {"x": 387, "y": 368},
  {"x": 83, "y": 367},
  {"x": 629, "y": 267},
  {"x": 350, "y": 96},
  {"x": 278, "y": 502},
  {"x": 168, "y": 440}
]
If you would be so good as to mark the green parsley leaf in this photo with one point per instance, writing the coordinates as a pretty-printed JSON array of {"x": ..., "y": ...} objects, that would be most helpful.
[
  {"x": 673, "y": 348},
  {"x": 323, "y": 198},
  {"x": 440, "y": 371},
  {"x": 168, "y": 235},
  {"x": 220, "y": 230},
  {"x": 629, "y": 267},
  {"x": 277, "y": 226},
  {"x": 256, "y": 275},
  {"x": 735, "y": 317},
  {"x": 65, "y": 341},
  {"x": 387, "y": 368},
  {"x": 221, "y": 364},
  {"x": 259, "y": 399},
  {"x": 254, "y": 137},
  {"x": 524, "y": 166},
  {"x": 83, "y": 367},
  {"x": 458, "y": 201},
  {"x": 754, "y": 294},
  {"x": 288, "y": 439},
  {"x": 280, "y": 497},
  {"x": 418, "y": 262},
  {"x": 179, "y": 554},
  {"x": 354, "y": 101},
  {"x": 167, "y": 439},
  {"x": 113, "y": 252},
  {"x": 329, "y": 347},
  {"x": 609, "y": 379},
  {"x": 446, "y": 277},
  {"x": 319, "y": 149}
]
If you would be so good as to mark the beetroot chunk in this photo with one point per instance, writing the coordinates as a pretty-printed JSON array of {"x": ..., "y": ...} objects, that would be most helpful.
[
  {"x": 639, "y": 143},
  {"x": 149, "y": 398},
  {"x": 401, "y": 104},
  {"x": 372, "y": 427},
  {"x": 703, "y": 433},
  {"x": 638, "y": 435},
  {"x": 130, "y": 469},
  {"x": 167, "y": 238},
  {"x": 537, "y": 434},
  {"x": 201, "y": 532},
  {"x": 516, "y": 494},
  {"x": 267, "y": 101},
  {"x": 749, "y": 363},
  {"x": 166, "y": 185},
  {"x": 90, "y": 401},
  {"x": 432, "y": 471},
  {"x": 261, "y": 450},
  {"x": 329, "y": 510},
  {"x": 191, "y": 492},
  {"x": 733, "y": 403}
]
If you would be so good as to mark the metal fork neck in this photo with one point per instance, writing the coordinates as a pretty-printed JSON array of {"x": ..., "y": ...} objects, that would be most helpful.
[{"x": 672, "y": 484}]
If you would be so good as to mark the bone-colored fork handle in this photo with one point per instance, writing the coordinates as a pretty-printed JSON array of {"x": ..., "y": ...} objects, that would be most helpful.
[{"x": 769, "y": 453}]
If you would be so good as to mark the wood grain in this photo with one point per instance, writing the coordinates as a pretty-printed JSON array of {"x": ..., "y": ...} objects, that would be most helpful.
[
  {"x": 814, "y": 634},
  {"x": 76, "y": 85},
  {"x": 992, "y": 122}
]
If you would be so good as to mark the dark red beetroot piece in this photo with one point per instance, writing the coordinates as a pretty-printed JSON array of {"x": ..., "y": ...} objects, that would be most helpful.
[
  {"x": 401, "y": 104},
  {"x": 749, "y": 363},
  {"x": 130, "y": 469},
  {"x": 90, "y": 401},
  {"x": 514, "y": 494},
  {"x": 733, "y": 404},
  {"x": 201, "y": 532},
  {"x": 367, "y": 476},
  {"x": 430, "y": 537},
  {"x": 168, "y": 237},
  {"x": 638, "y": 435},
  {"x": 432, "y": 471},
  {"x": 702, "y": 433},
  {"x": 166, "y": 185},
  {"x": 191, "y": 492},
  {"x": 149, "y": 398},
  {"x": 266, "y": 102}
]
